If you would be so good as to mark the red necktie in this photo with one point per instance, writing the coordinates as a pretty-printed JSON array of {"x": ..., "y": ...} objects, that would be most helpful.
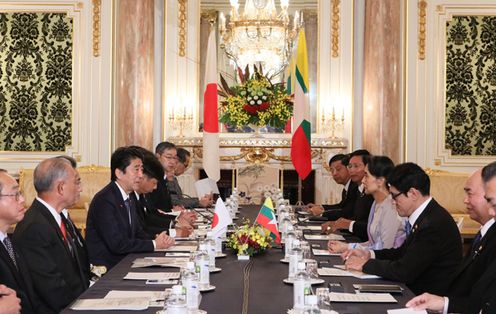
[{"x": 64, "y": 231}]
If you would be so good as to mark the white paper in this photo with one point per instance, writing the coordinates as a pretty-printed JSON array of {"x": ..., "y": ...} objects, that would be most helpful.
[
  {"x": 311, "y": 228},
  {"x": 206, "y": 186},
  {"x": 150, "y": 295},
  {"x": 134, "y": 304},
  {"x": 344, "y": 273},
  {"x": 179, "y": 248},
  {"x": 362, "y": 297},
  {"x": 321, "y": 252},
  {"x": 160, "y": 261},
  {"x": 335, "y": 237},
  {"x": 406, "y": 311},
  {"x": 177, "y": 254},
  {"x": 147, "y": 276}
]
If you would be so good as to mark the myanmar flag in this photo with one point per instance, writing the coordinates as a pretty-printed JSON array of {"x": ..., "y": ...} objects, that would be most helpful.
[
  {"x": 301, "y": 153},
  {"x": 267, "y": 219}
]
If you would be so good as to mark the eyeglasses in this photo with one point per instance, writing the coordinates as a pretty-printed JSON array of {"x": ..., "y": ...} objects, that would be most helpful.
[
  {"x": 395, "y": 195},
  {"x": 17, "y": 195}
]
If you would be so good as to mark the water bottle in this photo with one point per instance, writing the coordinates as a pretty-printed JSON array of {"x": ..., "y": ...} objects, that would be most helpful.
[
  {"x": 301, "y": 287},
  {"x": 311, "y": 306},
  {"x": 190, "y": 282},
  {"x": 202, "y": 265},
  {"x": 176, "y": 302},
  {"x": 218, "y": 242},
  {"x": 288, "y": 241},
  {"x": 295, "y": 256},
  {"x": 211, "y": 250}
]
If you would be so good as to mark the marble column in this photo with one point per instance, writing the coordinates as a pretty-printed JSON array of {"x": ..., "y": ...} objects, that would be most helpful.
[
  {"x": 134, "y": 73},
  {"x": 382, "y": 80}
]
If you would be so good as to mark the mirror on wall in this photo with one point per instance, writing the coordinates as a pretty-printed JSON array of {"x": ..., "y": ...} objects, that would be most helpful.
[{"x": 219, "y": 13}]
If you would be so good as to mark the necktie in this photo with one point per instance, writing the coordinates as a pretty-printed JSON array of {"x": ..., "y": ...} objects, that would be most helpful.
[
  {"x": 477, "y": 242},
  {"x": 10, "y": 250},
  {"x": 343, "y": 195},
  {"x": 63, "y": 230},
  {"x": 127, "y": 202},
  {"x": 408, "y": 228}
]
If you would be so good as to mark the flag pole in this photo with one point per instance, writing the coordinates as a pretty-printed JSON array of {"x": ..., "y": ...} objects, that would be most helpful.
[{"x": 299, "y": 202}]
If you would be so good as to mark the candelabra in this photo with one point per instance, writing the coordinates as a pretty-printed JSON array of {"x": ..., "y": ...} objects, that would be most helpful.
[
  {"x": 331, "y": 124},
  {"x": 180, "y": 120}
]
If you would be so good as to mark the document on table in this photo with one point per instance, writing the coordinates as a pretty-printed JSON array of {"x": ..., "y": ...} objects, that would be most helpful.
[
  {"x": 134, "y": 304},
  {"x": 155, "y": 298},
  {"x": 320, "y": 252},
  {"x": 311, "y": 228},
  {"x": 152, "y": 276},
  {"x": 160, "y": 261},
  {"x": 335, "y": 237},
  {"x": 362, "y": 297},
  {"x": 326, "y": 271},
  {"x": 406, "y": 311},
  {"x": 177, "y": 254}
]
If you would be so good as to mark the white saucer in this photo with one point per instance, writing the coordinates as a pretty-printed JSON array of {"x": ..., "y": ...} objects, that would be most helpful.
[
  {"x": 219, "y": 255},
  {"x": 314, "y": 281},
  {"x": 285, "y": 261},
  {"x": 209, "y": 288},
  {"x": 215, "y": 270}
]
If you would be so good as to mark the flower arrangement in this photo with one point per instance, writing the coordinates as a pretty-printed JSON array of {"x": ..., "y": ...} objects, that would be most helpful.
[
  {"x": 249, "y": 239},
  {"x": 256, "y": 101}
]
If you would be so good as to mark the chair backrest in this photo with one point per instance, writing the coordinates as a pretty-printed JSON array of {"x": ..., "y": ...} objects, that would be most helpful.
[{"x": 447, "y": 189}]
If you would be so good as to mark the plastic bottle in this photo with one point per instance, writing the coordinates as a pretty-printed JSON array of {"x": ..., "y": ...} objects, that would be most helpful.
[
  {"x": 288, "y": 241},
  {"x": 311, "y": 306},
  {"x": 295, "y": 256},
  {"x": 176, "y": 302},
  {"x": 301, "y": 287},
  {"x": 202, "y": 265},
  {"x": 191, "y": 284},
  {"x": 210, "y": 246}
]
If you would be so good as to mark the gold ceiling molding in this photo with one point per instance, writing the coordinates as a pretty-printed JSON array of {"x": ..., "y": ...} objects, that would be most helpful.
[
  {"x": 183, "y": 19},
  {"x": 96, "y": 27},
  {"x": 422, "y": 7},
  {"x": 335, "y": 28}
]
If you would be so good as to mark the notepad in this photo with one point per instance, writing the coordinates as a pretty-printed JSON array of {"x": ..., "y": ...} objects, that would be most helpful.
[
  {"x": 378, "y": 288},
  {"x": 311, "y": 228},
  {"x": 134, "y": 304},
  {"x": 147, "y": 276},
  {"x": 179, "y": 248},
  {"x": 160, "y": 261},
  {"x": 362, "y": 297},
  {"x": 406, "y": 311},
  {"x": 335, "y": 237},
  {"x": 326, "y": 271},
  {"x": 151, "y": 295},
  {"x": 320, "y": 252}
]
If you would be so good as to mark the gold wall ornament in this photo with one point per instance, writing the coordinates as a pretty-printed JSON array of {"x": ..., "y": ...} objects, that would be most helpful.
[
  {"x": 96, "y": 27},
  {"x": 335, "y": 28},
  {"x": 183, "y": 19},
  {"x": 422, "y": 8}
]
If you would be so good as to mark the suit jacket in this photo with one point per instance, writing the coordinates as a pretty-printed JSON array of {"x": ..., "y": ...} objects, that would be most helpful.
[
  {"x": 109, "y": 236},
  {"x": 18, "y": 279},
  {"x": 160, "y": 197},
  {"x": 482, "y": 298},
  {"x": 151, "y": 220},
  {"x": 54, "y": 269},
  {"x": 343, "y": 208},
  {"x": 81, "y": 249},
  {"x": 471, "y": 270},
  {"x": 177, "y": 195},
  {"x": 429, "y": 257}
]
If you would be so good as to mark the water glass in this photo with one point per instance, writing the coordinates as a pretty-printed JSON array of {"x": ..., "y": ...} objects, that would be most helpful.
[
  {"x": 311, "y": 267},
  {"x": 323, "y": 297},
  {"x": 305, "y": 248}
]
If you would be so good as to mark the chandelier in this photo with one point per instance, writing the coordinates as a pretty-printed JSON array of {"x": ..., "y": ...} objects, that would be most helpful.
[{"x": 259, "y": 35}]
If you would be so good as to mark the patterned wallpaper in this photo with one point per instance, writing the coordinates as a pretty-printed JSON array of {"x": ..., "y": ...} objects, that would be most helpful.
[
  {"x": 35, "y": 81},
  {"x": 471, "y": 85}
]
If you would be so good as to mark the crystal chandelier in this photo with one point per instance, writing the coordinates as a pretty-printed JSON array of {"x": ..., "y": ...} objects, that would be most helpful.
[{"x": 259, "y": 35}]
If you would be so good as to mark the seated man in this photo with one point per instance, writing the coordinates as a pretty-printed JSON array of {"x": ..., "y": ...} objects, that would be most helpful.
[
  {"x": 42, "y": 237},
  {"x": 432, "y": 250},
  {"x": 152, "y": 220},
  {"x": 9, "y": 302},
  {"x": 177, "y": 196},
  {"x": 475, "y": 281},
  {"x": 113, "y": 229}
]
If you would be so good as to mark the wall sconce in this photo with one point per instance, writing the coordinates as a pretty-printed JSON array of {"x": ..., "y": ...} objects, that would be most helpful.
[{"x": 181, "y": 118}]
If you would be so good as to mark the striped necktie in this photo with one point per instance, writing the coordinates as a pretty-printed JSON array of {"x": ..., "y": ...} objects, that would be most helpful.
[{"x": 10, "y": 250}]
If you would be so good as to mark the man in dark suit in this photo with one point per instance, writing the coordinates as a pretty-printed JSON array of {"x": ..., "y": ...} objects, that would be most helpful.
[
  {"x": 13, "y": 270},
  {"x": 472, "y": 289},
  {"x": 432, "y": 251},
  {"x": 153, "y": 221},
  {"x": 44, "y": 240},
  {"x": 354, "y": 216},
  {"x": 9, "y": 302},
  {"x": 113, "y": 229},
  {"x": 166, "y": 154}
]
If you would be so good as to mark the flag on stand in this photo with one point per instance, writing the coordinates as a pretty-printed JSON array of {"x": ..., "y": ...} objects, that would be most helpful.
[
  {"x": 301, "y": 154},
  {"x": 211, "y": 160},
  {"x": 267, "y": 219},
  {"x": 221, "y": 218}
]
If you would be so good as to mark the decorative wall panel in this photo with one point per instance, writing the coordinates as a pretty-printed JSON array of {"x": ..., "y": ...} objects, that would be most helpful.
[
  {"x": 471, "y": 85},
  {"x": 35, "y": 81}
]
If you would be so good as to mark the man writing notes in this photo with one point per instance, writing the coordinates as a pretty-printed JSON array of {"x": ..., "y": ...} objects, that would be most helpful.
[
  {"x": 13, "y": 269},
  {"x": 43, "y": 239},
  {"x": 113, "y": 229},
  {"x": 472, "y": 290},
  {"x": 432, "y": 250}
]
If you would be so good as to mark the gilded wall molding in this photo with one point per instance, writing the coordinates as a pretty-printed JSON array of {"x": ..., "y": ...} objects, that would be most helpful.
[
  {"x": 97, "y": 31},
  {"x": 183, "y": 19},
  {"x": 422, "y": 8},
  {"x": 335, "y": 28}
]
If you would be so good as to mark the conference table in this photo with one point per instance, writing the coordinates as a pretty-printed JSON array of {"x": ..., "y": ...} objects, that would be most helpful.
[{"x": 254, "y": 286}]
